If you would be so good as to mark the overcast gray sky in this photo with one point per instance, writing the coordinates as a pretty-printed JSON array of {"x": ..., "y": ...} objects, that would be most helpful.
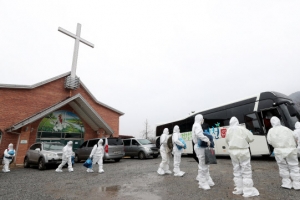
[{"x": 156, "y": 60}]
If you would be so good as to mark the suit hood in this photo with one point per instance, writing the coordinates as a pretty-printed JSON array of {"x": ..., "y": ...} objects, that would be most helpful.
[
  {"x": 233, "y": 121},
  {"x": 10, "y": 146},
  {"x": 199, "y": 118},
  {"x": 297, "y": 125},
  {"x": 166, "y": 131},
  {"x": 275, "y": 121},
  {"x": 176, "y": 129}
]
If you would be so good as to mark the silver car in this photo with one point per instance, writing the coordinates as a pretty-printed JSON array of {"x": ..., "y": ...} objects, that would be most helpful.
[
  {"x": 113, "y": 149},
  {"x": 44, "y": 154},
  {"x": 142, "y": 148}
]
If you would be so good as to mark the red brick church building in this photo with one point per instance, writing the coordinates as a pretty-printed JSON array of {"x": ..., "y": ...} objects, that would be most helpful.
[{"x": 50, "y": 111}]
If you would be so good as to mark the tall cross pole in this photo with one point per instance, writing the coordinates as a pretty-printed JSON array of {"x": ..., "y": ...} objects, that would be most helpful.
[{"x": 76, "y": 47}]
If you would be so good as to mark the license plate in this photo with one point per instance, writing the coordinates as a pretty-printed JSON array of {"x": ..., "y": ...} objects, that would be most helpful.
[{"x": 117, "y": 152}]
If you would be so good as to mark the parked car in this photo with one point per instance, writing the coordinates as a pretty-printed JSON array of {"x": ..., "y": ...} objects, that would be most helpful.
[
  {"x": 44, "y": 154},
  {"x": 142, "y": 148},
  {"x": 113, "y": 149}
]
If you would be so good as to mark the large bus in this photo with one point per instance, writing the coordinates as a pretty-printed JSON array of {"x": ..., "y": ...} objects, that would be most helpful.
[{"x": 254, "y": 113}]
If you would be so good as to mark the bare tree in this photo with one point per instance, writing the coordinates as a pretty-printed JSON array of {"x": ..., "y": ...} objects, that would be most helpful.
[{"x": 147, "y": 132}]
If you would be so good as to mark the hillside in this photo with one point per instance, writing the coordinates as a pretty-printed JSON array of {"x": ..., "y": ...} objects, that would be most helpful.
[{"x": 296, "y": 98}]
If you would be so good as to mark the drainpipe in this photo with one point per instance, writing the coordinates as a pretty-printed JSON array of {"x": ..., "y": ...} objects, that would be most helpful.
[{"x": 17, "y": 151}]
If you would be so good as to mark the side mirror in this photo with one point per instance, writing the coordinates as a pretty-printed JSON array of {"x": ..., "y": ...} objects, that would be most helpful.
[{"x": 38, "y": 149}]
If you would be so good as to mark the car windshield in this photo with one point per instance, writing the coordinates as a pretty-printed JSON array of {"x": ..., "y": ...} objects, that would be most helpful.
[
  {"x": 49, "y": 146},
  {"x": 144, "y": 141}
]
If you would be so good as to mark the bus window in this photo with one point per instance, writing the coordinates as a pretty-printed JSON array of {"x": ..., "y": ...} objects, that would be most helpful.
[
  {"x": 253, "y": 124},
  {"x": 160, "y": 129},
  {"x": 214, "y": 118},
  {"x": 184, "y": 126},
  {"x": 240, "y": 111},
  {"x": 291, "y": 120}
]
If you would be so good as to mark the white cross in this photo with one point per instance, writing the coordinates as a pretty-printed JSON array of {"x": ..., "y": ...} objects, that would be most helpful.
[{"x": 76, "y": 47}]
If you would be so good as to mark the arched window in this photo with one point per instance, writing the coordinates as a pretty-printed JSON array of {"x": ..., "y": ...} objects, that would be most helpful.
[{"x": 61, "y": 125}]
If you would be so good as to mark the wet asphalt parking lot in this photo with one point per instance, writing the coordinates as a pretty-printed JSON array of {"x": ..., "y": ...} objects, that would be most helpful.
[{"x": 136, "y": 179}]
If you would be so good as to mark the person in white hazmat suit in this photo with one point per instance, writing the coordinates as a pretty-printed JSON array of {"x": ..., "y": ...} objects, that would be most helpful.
[
  {"x": 283, "y": 141},
  {"x": 176, "y": 152},
  {"x": 297, "y": 136},
  {"x": 165, "y": 153},
  {"x": 9, "y": 154},
  {"x": 203, "y": 176},
  {"x": 66, "y": 157},
  {"x": 97, "y": 155},
  {"x": 238, "y": 138}
]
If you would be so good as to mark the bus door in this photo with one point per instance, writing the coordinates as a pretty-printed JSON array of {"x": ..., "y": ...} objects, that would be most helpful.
[
  {"x": 259, "y": 146},
  {"x": 265, "y": 116}
]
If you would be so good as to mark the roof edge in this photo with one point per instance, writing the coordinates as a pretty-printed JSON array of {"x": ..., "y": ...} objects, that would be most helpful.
[
  {"x": 34, "y": 85},
  {"x": 12, "y": 86},
  {"x": 94, "y": 98},
  {"x": 52, "y": 108}
]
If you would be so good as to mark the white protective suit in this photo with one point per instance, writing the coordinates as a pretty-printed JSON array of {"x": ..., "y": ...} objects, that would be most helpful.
[
  {"x": 297, "y": 136},
  {"x": 7, "y": 158},
  {"x": 283, "y": 141},
  {"x": 165, "y": 153},
  {"x": 238, "y": 138},
  {"x": 203, "y": 176},
  {"x": 176, "y": 152},
  {"x": 97, "y": 155},
  {"x": 66, "y": 157}
]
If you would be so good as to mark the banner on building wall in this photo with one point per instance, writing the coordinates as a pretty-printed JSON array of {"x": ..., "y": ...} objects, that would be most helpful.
[{"x": 61, "y": 121}]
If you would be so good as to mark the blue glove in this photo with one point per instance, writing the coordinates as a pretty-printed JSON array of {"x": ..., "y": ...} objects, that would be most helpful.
[
  {"x": 88, "y": 163},
  {"x": 204, "y": 144},
  {"x": 183, "y": 142},
  {"x": 11, "y": 152}
]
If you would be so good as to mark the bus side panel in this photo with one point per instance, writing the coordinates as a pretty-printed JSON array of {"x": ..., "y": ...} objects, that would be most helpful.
[
  {"x": 187, "y": 136},
  {"x": 259, "y": 146},
  {"x": 221, "y": 147},
  {"x": 189, "y": 147}
]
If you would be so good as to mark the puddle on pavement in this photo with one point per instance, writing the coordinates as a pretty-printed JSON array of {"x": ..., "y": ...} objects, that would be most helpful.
[
  {"x": 127, "y": 191},
  {"x": 113, "y": 188}
]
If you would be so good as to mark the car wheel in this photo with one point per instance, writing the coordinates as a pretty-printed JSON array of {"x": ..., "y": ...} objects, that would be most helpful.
[
  {"x": 117, "y": 159},
  {"x": 41, "y": 165},
  {"x": 26, "y": 163},
  {"x": 155, "y": 156},
  {"x": 142, "y": 155},
  {"x": 76, "y": 159}
]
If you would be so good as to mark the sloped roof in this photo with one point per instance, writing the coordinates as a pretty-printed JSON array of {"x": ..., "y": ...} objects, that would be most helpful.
[
  {"x": 53, "y": 79},
  {"x": 82, "y": 108}
]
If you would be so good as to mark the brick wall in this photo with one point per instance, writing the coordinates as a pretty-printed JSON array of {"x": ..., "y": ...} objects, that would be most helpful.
[{"x": 19, "y": 104}]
